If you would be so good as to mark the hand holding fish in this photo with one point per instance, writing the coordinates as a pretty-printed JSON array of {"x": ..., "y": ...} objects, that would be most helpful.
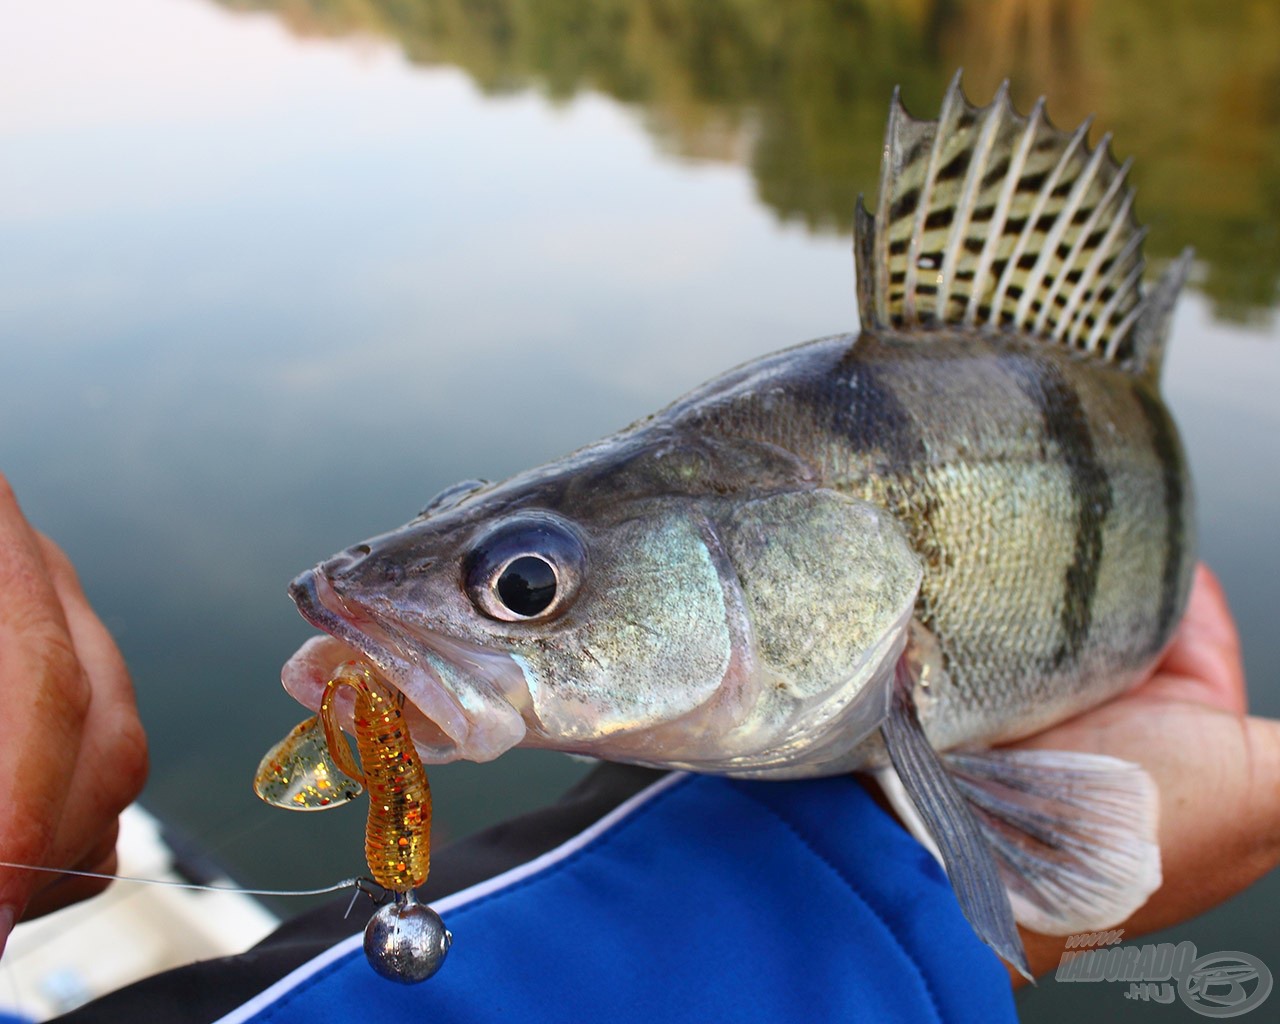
[
  {"x": 73, "y": 753},
  {"x": 1217, "y": 769}
]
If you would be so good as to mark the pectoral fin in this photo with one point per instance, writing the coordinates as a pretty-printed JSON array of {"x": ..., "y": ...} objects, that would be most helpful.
[
  {"x": 1059, "y": 841},
  {"x": 965, "y": 851},
  {"x": 1074, "y": 834}
]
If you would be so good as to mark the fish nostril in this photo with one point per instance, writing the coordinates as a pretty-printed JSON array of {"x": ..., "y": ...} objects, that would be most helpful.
[
  {"x": 359, "y": 563},
  {"x": 343, "y": 564}
]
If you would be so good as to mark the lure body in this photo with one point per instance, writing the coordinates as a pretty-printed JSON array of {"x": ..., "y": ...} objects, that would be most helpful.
[{"x": 397, "y": 842}]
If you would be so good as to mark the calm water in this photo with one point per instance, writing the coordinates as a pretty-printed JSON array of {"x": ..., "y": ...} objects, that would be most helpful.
[{"x": 271, "y": 275}]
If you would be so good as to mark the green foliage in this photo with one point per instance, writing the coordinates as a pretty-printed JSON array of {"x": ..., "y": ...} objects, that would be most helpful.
[{"x": 799, "y": 91}]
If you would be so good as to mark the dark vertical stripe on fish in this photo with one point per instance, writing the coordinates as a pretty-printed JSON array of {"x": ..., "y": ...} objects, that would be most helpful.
[
  {"x": 870, "y": 414},
  {"x": 1166, "y": 448},
  {"x": 1066, "y": 426}
]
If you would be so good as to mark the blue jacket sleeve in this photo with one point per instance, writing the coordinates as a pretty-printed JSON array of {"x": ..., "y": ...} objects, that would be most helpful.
[{"x": 698, "y": 899}]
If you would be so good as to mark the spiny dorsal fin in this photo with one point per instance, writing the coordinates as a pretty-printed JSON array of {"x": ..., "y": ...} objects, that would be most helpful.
[{"x": 992, "y": 220}]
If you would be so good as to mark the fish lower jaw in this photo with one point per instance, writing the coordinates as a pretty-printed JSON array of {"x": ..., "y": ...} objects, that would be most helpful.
[{"x": 442, "y": 730}]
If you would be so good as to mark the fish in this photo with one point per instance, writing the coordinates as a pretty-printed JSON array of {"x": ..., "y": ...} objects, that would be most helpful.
[{"x": 888, "y": 551}]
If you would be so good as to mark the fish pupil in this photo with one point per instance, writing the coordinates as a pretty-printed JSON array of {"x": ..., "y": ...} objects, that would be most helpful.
[{"x": 527, "y": 585}]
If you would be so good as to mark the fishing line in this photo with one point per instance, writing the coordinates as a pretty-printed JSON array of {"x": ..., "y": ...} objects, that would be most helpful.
[{"x": 347, "y": 883}]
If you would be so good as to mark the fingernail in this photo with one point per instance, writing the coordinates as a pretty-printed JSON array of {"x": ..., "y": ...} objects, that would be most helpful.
[{"x": 6, "y": 926}]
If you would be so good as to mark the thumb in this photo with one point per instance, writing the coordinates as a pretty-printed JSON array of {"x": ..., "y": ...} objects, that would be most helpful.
[{"x": 1262, "y": 793}]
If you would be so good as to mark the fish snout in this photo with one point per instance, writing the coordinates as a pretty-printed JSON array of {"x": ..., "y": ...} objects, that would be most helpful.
[
  {"x": 304, "y": 594},
  {"x": 370, "y": 564}
]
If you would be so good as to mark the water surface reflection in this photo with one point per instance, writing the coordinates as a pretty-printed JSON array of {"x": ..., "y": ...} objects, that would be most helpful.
[{"x": 796, "y": 91}]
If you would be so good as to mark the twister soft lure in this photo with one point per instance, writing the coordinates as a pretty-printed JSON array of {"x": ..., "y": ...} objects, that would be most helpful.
[{"x": 313, "y": 769}]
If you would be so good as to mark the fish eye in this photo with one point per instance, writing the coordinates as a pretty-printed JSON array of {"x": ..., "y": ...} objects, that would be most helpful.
[
  {"x": 527, "y": 586},
  {"x": 525, "y": 569}
]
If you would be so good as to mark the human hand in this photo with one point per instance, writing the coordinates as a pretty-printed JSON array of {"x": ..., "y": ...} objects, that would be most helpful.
[
  {"x": 72, "y": 750},
  {"x": 1216, "y": 768}
]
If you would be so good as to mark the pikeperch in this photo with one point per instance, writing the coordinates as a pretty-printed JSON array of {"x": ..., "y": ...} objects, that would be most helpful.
[{"x": 964, "y": 523}]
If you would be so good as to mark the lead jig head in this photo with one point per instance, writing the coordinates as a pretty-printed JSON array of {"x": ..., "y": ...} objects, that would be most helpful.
[{"x": 406, "y": 941}]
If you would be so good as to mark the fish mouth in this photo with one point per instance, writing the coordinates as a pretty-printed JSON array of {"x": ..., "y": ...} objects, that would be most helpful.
[{"x": 462, "y": 701}]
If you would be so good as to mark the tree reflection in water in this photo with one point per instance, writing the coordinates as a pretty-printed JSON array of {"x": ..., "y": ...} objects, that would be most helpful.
[{"x": 798, "y": 91}]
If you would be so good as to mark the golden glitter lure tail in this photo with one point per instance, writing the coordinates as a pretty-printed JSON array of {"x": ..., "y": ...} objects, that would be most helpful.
[{"x": 405, "y": 941}]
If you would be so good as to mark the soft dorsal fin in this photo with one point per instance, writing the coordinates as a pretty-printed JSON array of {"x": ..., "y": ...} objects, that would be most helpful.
[{"x": 992, "y": 220}]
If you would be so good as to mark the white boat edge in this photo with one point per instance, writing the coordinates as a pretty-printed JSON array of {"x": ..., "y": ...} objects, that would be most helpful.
[{"x": 55, "y": 963}]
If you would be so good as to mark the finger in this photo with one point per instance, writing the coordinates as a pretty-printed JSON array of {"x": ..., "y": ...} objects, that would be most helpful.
[
  {"x": 1218, "y": 814},
  {"x": 111, "y": 767},
  {"x": 1260, "y": 851},
  {"x": 27, "y": 598},
  {"x": 1208, "y": 615},
  {"x": 113, "y": 710},
  {"x": 65, "y": 890},
  {"x": 47, "y": 697},
  {"x": 1203, "y": 663}
]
